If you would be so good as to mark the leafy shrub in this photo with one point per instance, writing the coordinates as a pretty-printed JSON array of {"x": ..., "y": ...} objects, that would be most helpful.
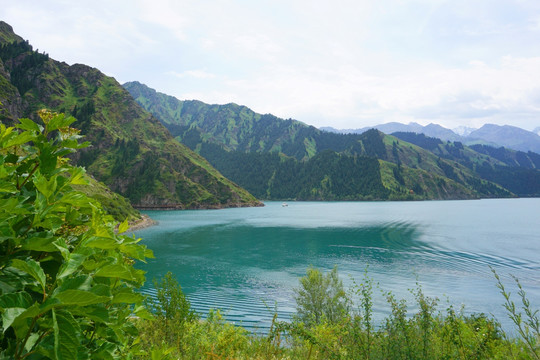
[
  {"x": 172, "y": 312},
  {"x": 67, "y": 280},
  {"x": 176, "y": 331},
  {"x": 321, "y": 298}
]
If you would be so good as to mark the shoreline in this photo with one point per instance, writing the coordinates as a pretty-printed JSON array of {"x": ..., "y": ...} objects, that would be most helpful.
[{"x": 145, "y": 222}]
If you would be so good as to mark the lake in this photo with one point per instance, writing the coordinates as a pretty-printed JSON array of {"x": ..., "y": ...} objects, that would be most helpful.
[{"x": 246, "y": 261}]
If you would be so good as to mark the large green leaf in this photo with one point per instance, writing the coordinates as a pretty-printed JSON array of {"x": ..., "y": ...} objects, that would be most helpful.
[
  {"x": 127, "y": 295},
  {"x": 77, "y": 177},
  {"x": 9, "y": 315},
  {"x": 51, "y": 222},
  {"x": 27, "y": 124},
  {"x": 32, "y": 268},
  {"x": 21, "y": 323},
  {"x": 47, "y": 159},
  {"x": 70, "y": 265},
  {"x": 123, "y": 227},
  {"x": 78, "y": 282},
  {"x": 134, "y": 250},
  {"x": 75, "y": 198},
  {"x": 20, "y": 139},
  {"x": 39, "y": 243},
  {"x": 101, "y": 290},
  {"x": 44, "y": 186},
  {"x": 98, "y": 313},
  {"x": 66, "y": 335},
  {"x": 7, "y": 187},
  {"x": 115, "y": 271},
  {"x": 102, "y": 243},
  {"x": 31, "y": 341},
  {"x": 12, "y": 305},
  {"x": 80, "y": 298},
  {"x": 59, "y": 121},
  {"x": 143, "y": 313}
]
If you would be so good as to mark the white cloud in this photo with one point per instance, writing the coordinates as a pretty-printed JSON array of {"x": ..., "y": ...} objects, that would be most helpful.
[
  {"x": 198, "y": 74},
  {"x": 348, "y": 63}
]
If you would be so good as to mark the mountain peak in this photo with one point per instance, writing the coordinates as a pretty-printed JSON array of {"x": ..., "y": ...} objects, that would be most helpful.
[
  {"x": 7, "y": 35},
  {"x": 508, "y": 136}
]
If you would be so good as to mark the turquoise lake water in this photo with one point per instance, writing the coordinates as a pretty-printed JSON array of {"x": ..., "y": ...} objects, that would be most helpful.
[{"x": 246, "y": 261}]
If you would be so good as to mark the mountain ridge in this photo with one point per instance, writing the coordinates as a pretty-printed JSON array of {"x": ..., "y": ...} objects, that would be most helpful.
[
  {"x": 285, "y": 147},
  {"x": 508, "y": 136},
  {"x": 132, "y": 152}
]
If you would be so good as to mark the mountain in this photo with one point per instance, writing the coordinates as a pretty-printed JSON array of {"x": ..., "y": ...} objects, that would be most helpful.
[
  {"x": 516, "y": 171},
  {"x": 333, "y": 130},
  {"x": 495, "y": 135},
  {"x": 282, "y": 159},
  {"x": 232, "y": 126},
  {"x": 507, "y": 136},
  {"x": 393, "y": 170},
  {"x": 432, "y": 130},
  {"x": 132, "y": 152},
  {"x": 7, "y": 35}
]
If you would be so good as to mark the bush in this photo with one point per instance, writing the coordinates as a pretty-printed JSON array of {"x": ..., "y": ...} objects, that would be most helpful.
[
  {"x": 176, "y": 332},
  {"x": 67, "y": 281},
  {"x": 321, "y": 298}
]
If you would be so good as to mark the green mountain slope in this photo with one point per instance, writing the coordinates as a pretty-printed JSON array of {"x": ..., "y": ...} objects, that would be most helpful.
[
  {"x": 232, "y": 126},
  {"x": 132, "y": 152},
  {"x": 282, "y": 159},
  {"x": 517, "y": 171}
]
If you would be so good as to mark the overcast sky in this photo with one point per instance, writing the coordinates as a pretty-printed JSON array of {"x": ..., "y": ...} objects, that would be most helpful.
[{"x": 346, "y": 64}]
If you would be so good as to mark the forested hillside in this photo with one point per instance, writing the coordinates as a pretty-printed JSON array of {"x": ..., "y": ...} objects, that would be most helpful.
[
  {"x": 131, "y": 152},
  {"x": 517, "y": 171},
  {"x": 272, "y": 157},
  {"x": 266, "y": 155}
]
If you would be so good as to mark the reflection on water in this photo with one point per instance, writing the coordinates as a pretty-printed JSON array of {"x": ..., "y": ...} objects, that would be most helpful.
[{"x": 247, "y": 261}]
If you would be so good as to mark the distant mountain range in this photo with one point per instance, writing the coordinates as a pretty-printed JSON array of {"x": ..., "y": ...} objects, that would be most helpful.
[
  {"x": 275, "y": 158},
  {"x": 511, "y": 137}
]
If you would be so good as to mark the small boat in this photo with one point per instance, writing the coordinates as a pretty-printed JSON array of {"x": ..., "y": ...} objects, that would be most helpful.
[{"x": 284, "y": 204}]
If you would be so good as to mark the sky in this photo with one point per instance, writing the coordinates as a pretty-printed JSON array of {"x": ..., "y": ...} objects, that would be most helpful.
[{"x": 340, "y": 63}]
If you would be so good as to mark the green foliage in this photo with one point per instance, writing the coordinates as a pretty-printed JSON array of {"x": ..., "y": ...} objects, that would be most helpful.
[
  {"x": 172, "y": 309},
  {"x": 321, "y": 298},
  {"x": 67, "y": 281},
  {"x": 428, "y": 333},
  {"x": 528, "y": 326},
  {"x": 171, "y": 302},
  {"x": 175, "y": 331}
]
